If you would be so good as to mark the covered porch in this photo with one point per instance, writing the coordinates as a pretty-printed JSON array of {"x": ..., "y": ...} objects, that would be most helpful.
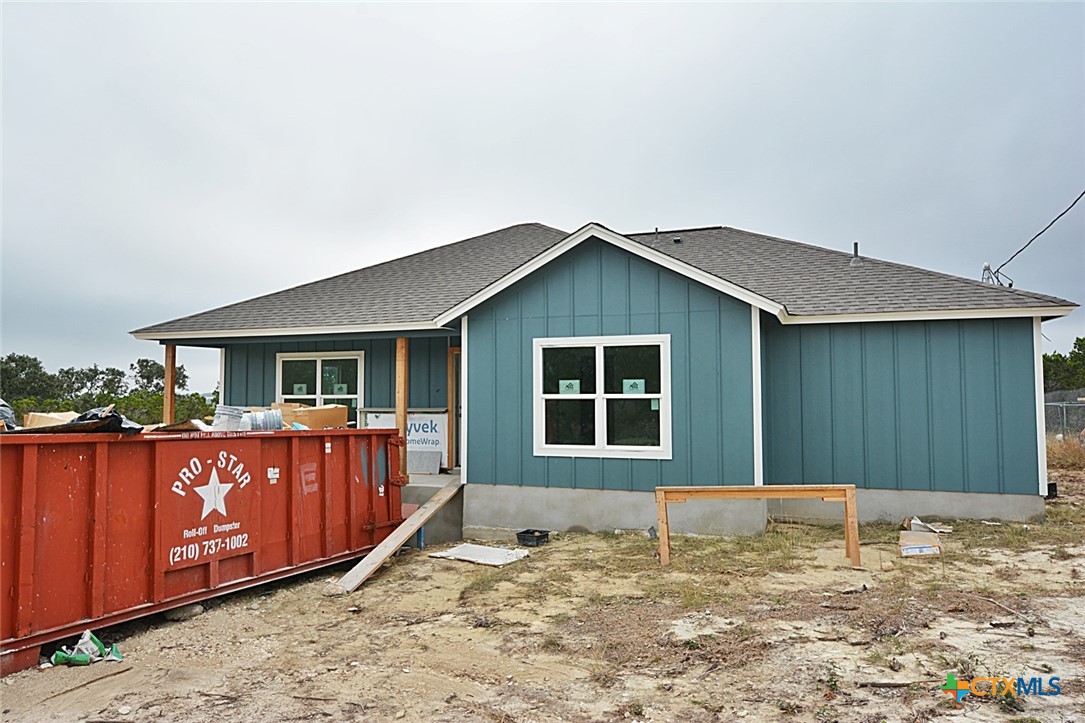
[{"x": 409, "y": 380}]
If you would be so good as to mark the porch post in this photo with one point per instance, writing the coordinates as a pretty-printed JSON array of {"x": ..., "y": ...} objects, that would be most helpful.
[
  {"x": 170, "y": 383},
  {"x": 401, "y": 397}
]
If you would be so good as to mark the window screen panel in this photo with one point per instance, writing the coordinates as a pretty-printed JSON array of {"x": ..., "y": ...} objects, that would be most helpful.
[
  {"x": 633, "y": 422},
  {"x": 570, "y": 421},
  {"x": 569, "y": 370},
  {"x": 339, "y": 376},
  {"x": 631, "y": 369},
  {"x": 299, "y": 377}
]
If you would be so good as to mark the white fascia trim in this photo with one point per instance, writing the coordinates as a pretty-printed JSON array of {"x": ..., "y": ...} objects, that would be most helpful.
[
  {"x": 464, "y": 416},
  {"x": 616, "y": 239},
  {"x": 1027, "y": 311},
  {"x": 758, "y": 441},
  {"x": 1041, "y": 418},
  {"x": 289, "y": 331}
]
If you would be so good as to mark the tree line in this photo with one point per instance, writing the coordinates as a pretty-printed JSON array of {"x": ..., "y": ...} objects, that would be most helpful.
[
  {"x": 1065, "y": 371},
  {"x": 27, "y": 386}
]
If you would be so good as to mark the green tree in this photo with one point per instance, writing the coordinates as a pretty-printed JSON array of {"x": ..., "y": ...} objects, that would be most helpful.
[
  {"x": 28, "y": 387},
  {"x": 145, "y": 407},
  {"x": 1065, "y": 371},
  {"x": 150, "y": 376},
  {"x": 23, "y": 376},
  {"x": 92, "y": 381}
]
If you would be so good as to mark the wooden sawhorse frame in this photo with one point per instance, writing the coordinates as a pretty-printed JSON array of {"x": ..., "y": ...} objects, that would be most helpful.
[{"x": 828, "y": 493}]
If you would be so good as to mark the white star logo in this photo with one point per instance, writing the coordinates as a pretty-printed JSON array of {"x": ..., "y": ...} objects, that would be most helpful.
[{"x": 214, "y": 495}]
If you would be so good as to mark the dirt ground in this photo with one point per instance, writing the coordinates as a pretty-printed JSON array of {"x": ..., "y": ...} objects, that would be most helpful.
[{"x": 590, "y": 628}]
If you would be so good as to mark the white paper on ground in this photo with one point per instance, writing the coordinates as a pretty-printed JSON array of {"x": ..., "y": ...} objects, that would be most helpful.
[{"x": 481, "y": 554}]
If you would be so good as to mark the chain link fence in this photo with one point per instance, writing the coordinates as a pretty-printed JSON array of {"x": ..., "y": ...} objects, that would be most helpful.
[{"x": 1063, "y": 412}]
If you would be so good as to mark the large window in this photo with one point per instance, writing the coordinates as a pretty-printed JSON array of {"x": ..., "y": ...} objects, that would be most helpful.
[
  {"x": 315, "y": 379},
  {"x": 605, "y": 396}
]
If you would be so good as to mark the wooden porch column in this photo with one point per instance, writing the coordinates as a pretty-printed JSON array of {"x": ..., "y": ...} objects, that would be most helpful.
[
  {"x": 401, "y": 398},
  {"x": 170, "y": 383}
]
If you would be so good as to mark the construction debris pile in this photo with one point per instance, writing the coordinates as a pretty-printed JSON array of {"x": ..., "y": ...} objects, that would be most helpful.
[{"x": 277, "y": 417}]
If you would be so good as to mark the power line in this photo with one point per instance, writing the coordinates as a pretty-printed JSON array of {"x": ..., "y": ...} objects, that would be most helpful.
[{"x": 1041, "y": 233}]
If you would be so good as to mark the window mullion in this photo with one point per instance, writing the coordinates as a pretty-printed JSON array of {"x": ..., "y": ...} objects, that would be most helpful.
[{"x": 600, "y": 400}]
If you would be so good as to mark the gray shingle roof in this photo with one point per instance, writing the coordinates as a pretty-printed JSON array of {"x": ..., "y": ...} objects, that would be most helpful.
[
  {"x": 810, "y": 280},
  {"x": 375, "y": 294},
  {"x": 805, "y": 279}
]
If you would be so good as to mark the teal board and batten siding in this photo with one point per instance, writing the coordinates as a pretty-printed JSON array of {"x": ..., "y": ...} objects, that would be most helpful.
[
  {"x": 599, "y": 290},
  {"x": 946, "y": 406},
  {"x": 251, "y": 370}
]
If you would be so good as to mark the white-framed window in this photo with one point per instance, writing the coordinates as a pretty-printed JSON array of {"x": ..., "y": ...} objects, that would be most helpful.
[
  {"x": 316, "y": 378},
  {"x": 603, "y": 396}
]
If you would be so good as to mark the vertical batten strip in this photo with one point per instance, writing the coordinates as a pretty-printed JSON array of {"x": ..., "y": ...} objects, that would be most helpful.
[
  {"x": 1041, "y": 421},
  {"x": 758, "y": 439}
]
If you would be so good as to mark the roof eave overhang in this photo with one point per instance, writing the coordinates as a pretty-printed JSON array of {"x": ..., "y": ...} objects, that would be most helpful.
[
  {"x": 626, "y": 244},
  {"x": 1044, "y": 312},
  {"x": 166, "y": 336}
]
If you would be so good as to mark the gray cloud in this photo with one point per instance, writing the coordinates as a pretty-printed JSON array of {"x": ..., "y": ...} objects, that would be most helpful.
[{"x": 162, "y": 159}]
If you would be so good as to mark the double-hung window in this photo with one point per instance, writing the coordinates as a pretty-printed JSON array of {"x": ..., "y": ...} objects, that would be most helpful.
[
  {"x": 607, "y": 396},
  {"x": 315, "y": 378}
]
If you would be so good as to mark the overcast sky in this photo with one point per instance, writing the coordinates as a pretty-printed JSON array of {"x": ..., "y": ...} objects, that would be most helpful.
[{"x": 165, "y": 159}]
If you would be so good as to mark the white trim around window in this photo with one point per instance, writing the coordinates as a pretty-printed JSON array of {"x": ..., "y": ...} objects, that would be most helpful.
[
  {"x": 318, "y": 394},
  {"x": 600, "y": 398}
]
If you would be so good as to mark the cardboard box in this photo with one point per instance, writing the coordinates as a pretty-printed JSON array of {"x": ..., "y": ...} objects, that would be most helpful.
[
  {"x": 919, "y": 544},
  {"x": 47, "y": 419},
  {"x": 333, "y": 416}
]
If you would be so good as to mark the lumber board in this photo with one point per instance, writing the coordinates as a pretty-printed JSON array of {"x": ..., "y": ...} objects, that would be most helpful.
[
  {"x": 402, "y": 396},
  {"x": 828, "y": 493},
  {"x": 664, "y": 531},
  {"x": 376, "y": 557},
  {"x": 169, "y": 390}
]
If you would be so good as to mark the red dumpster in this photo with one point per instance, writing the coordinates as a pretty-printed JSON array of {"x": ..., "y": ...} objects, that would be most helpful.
[{"x": 102, "y": 528}]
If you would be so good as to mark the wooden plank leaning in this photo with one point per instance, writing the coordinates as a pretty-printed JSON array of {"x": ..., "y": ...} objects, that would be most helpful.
[
  {"x": 372, "y": 562},
  {"x": 827, "y": 493}
]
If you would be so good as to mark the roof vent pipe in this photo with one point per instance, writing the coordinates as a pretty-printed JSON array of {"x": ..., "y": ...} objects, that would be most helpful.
[{"x": 856, "y": 260}]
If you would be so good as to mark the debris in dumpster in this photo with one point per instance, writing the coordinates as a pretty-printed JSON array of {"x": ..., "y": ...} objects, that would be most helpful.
[
  {"x": 188, "y": 425},
  {"x": 482, "y": 555},
  {"x": 88, "y": 650},
  {"x": 919, "y": 544},
  {"x": 262, "y": 420},
  {"x": 35, "y": 420},
  {"x": 7, "y": 416},
  {"x": 109, "y": 419},
  {"x": 917, "y": 525},
  {"x": 323, "y": 417},
  {"x": 100, "y": 419},
  {"x": 532, "y": 538},
  {"x": 227, "y": 418}
]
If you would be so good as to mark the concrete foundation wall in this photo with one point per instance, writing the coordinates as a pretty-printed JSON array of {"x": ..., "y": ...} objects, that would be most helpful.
[
  {"x": 497, "y": 511},
  {"x": 447, "y": 524},
  {"x": 895, "y": 505}
]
